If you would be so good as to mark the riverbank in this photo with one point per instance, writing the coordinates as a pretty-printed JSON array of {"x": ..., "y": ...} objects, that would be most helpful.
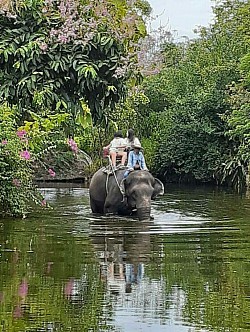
[{"x": 60, "y": 168}]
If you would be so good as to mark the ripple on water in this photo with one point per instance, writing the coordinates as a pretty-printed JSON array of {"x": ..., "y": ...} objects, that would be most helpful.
[{"x": 187, "y": 270}]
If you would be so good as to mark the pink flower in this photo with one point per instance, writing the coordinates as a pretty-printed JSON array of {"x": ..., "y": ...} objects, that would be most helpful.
[
  {"x": 43, "y": 46},
  {"x": 69, "y": 287},
  {"x": 21, "y": 133},
  {"x": 53, "y": 32},
  {"x": 18, "y": 312},
  {"x": 72, "y": 145},
  {"x": 25, "y": 155},
  {"x": 51, "y": 172},
  {"x": 23, "y": 288},
  {"x": 4, "y": 142},
  {"x": 43, "y": 202},
  {"x": 16, "y": 182},
  {"x": 63, "y": 39}
]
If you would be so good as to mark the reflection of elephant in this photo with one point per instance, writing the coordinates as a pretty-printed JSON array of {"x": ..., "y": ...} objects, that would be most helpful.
[
  {"x": 123, "y": 249},
  {"x": 114, "y": 194}
]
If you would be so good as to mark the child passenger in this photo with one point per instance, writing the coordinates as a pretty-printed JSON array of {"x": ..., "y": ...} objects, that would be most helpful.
[{"x": 117, "y": 148}]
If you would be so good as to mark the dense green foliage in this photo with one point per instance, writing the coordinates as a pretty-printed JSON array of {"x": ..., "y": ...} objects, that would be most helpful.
[
  {"x": 39, "y": 144},
  {"x": 197, "y": 136},
  {"x": 17, "y": 190},
  {"x": 52, "y": 54}
]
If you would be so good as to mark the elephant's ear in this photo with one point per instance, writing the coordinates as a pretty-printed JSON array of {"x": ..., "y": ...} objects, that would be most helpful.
[
  {"x": 158, "y": 188},
  {"x": 122, "y": 186}
]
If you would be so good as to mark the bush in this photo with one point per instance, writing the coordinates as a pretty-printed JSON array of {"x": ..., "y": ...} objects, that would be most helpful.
[{"x": 17, "y": 190}]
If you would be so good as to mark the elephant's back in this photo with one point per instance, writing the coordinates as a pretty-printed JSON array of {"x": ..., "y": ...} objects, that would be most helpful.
[
  {"x": 101, "y": 183},
  {"x": 97, "y": 186}
]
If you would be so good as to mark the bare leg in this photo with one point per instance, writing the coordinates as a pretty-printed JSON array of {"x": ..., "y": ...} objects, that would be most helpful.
[
  {"x": 124, "y": 157},
  {"x": 113, "y": 157}
]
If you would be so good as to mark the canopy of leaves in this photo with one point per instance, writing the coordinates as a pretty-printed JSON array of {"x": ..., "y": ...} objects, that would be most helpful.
[
  {"x": 53, "y": 54},
  {"x": 188, "y": 99}
]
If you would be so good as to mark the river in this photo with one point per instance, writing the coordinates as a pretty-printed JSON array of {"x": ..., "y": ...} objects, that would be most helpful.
[{"x": 188, "y": 270}]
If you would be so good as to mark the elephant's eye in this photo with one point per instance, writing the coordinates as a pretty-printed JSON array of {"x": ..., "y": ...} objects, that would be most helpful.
[{"x": 131, "y": 197}]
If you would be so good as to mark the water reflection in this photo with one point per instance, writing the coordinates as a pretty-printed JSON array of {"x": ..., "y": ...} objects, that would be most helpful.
[
  {"x": 123, "y": 248},
  {"x": 64, "y": 269},
  {"x": 130, "y": 258}
]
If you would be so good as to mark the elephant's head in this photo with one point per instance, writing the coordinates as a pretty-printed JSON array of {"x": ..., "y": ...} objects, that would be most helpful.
[{"x": 140, "y": 187}]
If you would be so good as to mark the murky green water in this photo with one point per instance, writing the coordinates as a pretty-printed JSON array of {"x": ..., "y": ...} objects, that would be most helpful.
[{"x": 187, "y": 270}]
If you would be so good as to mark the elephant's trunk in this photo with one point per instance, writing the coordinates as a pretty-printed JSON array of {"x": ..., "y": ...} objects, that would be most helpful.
[{"x": 143, "y": 213}]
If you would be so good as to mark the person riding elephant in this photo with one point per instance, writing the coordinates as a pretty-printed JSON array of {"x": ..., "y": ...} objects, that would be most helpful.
[
  {"x": 117, "y": 148},
  {"x": 131, "y": 140},
  {"x": 136, "y": 160},
  {"x": 112, "y": 193}
]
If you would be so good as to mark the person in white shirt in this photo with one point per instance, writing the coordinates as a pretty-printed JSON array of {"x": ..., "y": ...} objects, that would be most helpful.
[
  {"x": 117, "y": 148},
  {"x": 131, "y": 140}
]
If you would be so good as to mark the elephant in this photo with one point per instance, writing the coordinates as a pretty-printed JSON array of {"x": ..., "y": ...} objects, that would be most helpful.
[{"x": 112, "y": 193}]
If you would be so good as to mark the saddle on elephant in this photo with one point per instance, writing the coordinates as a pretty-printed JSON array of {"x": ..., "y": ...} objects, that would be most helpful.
[{"x": 110, "y": 170}]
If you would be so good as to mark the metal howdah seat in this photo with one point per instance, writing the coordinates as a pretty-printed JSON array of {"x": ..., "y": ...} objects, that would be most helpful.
[{"x": 106, "y": 155}]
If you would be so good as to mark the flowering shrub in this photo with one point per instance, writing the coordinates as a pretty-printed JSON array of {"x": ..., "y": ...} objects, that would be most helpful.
[
  {"x": 16, "y": 187},
  {"x": 52, "y": 173},
  {"x": 73, "y": 145}
]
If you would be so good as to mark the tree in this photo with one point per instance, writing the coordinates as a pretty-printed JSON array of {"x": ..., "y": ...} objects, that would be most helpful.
[
  {"x": 53, "y": 55},
  {"x": 188, "y": 99}
]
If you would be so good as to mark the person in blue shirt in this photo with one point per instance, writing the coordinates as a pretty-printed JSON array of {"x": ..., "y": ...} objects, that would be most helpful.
[{"x": 136, "y": 160}]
